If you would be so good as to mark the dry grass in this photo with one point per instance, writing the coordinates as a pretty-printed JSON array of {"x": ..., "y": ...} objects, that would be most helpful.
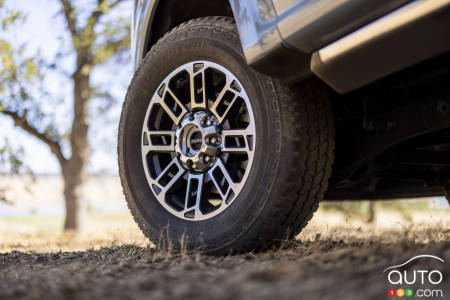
[
  {"x": 388, "y": 227},
  {"x": 43, "y": 234}
]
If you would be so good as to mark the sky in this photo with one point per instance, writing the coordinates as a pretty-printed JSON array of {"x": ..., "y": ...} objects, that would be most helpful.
[{"x": 44, "y": 31}]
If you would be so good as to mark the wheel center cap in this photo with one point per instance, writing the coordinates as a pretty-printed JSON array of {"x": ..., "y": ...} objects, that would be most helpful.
[{"x": 198, "y": 141}]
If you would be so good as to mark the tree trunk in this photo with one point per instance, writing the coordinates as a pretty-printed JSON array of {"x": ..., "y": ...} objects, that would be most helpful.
[
  {"x": 73, "y": 183},
  {"x": 371, "y": 217},
  {"x": 74, "y": 168}
]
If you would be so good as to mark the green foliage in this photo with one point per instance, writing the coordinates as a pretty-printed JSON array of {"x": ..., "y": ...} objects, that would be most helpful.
[
  {"x": 11, "y": 159},
  {"x": 11, "y": 163},
  {"x": 16, "y": 72},
  {"x": 8, "y": 16},
  {"x": 102, "y": 36},
  {"x": 21, "y": 78}
]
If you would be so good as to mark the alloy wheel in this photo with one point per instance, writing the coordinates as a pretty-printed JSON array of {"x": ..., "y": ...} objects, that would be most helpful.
[{"x": 198, "y": 140}]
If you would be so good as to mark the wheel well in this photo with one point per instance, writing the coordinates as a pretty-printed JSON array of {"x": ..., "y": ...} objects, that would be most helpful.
[{"x": 171, "y": 13}]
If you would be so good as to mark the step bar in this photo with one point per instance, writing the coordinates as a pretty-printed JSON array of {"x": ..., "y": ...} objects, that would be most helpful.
[{"x": 411, "y": 34}]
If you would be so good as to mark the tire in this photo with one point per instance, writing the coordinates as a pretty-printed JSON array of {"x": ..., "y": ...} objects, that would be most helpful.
[{"x": 292, "y": 151}]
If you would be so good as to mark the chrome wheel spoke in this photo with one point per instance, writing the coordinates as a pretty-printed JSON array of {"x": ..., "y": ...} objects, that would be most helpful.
[
  {"x": 174, "y": 108},
  {"x": 220, "y": 97},
  {"x": 237, "y": 140},
  {"x": 198, "y": 89},
  {"x": 158, "y": 141},
  {"x": 170, "y": 175},
  {"x": 223, "y": 115},
  {"x": 224, "y": 101},
  {"x": 183, "y": 108},
  {"x": 222, "y": 180},
  {"x": 194, "y": 194},
  {"x": 169, "y": 112}
]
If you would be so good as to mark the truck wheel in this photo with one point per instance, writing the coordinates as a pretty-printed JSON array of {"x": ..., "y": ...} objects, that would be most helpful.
[{"x": 215, "y": 156}]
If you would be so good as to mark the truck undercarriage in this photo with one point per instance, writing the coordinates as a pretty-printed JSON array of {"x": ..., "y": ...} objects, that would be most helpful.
[{"x": 393, "y": 137}]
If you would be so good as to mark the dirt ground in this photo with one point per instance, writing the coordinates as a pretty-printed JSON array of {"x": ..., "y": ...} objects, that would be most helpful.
[{"x": 330, "y": 259}]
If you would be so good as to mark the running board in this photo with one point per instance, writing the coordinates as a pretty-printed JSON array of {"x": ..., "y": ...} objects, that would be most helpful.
[{"x": 411, "y": 34}]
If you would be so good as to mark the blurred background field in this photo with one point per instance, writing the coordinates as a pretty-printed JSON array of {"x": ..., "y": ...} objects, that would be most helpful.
[{"x": 33, "y": 221}]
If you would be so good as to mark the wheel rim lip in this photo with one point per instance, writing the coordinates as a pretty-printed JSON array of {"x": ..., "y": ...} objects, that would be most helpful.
[{"x": 251, "y": 127}]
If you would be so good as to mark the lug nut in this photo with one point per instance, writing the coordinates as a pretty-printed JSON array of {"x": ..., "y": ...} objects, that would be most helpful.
[
  {"x": 214, "y": 140},
  {"x": 208, "y": 123},
  {"x": 191, "y": 116},
  {"x": 194, "y": 166},
  {"x": 202, "y": 122},
  {"x": 207, "y": 158},
  {"x": 218, "y": 141}
]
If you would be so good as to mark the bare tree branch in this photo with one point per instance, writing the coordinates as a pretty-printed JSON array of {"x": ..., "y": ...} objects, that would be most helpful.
[
  {"x": 70, "y": 17},
  {"x": 55, "y": 147}
]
